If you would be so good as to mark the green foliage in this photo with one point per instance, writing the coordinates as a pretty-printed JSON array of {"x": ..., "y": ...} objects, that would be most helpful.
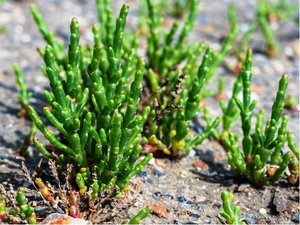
[
  {"x": 24, "y": 95},
  {"x": 290, "y": 102},
  {"x": 262, "y": 18},
  {"x": 263, "y": 147},
  {"x": 229, "y": 110},
  {"x": 294, "y": 165},
  {"x": 169, "y": 121},
  {"x": 21, "y": 209},
  {"x": 230, "y": 212},
  {"x": 175, "y": 95},
  {"x": 164, "y": 50},
  {"x": 142, "y": 214},
  {"x": 94, "y": 101}
]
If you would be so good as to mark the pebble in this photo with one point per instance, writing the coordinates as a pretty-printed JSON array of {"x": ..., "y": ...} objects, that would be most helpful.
[
  {"x": 244, "y": 188},
  {"x": 160, "y": 211},
  {"x": 200, "y": 199},
  {"x": 195, "y": 215},
  {"x": 149, "y": 181},
  {"x": 185, "y": 206},
  {"x": 169, "y": 196},
  {"x": 250, "y": 220},
  {"x": 262, "y": 211},
  {"x": 142, "y": 174},
  {"x": 200, "y": 165},
  {"x": 57, "y": 218},
  {"x": 158, "y": 172},
  {"x": 296, "y": 218},
  {"x": 181, "y": 198},
  {"x": 161, "y": 163}
]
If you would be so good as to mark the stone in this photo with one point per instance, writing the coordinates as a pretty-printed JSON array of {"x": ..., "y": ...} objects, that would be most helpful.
[
  {"x": 160, "y": 211},
  {"x": 57, "y": 218},
  {"x": 262, "y": 211},
  {"x": 200, "y": 165}
]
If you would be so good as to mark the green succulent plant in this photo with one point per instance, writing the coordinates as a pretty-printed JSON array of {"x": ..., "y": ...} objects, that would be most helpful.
[
  {"x": 230, "y": 212},
  {"x": 93, "y": 102},
  {"x": 262, "y": 148}
]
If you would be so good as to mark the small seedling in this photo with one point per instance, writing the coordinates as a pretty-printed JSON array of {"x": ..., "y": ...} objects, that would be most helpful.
[
  {"x": 230, "y": 112},
  {"x": 24, "y": 95},
  {"x": 140, "y": 216},
  {"x": 262, "y": 18},
  {"x": 294, "y": 165},
  {"x": 290, "y": 102},
  {"x": 230, "y": 212},
  {"x": 20, "y": 211}
]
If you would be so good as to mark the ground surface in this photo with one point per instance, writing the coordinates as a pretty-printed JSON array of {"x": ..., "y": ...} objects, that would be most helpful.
[{"x": 190, "y": 195}]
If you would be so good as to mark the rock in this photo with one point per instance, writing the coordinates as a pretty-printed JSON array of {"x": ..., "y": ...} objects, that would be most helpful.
[
  {"x": 195, "y": 215},
  {"x": 283, "y": 203},
  {"x": 262, "y": 211},
  {"x": 296, "y": 218},
  {"x": 160, "y": 211},
  {"x": 200, "y": 199},
  {"x": 158, "y": 172},
  {"x": 142, "y": 174},
  {"x": 185, "y": 206},
  {"x": 161, "y": 163},
  {"x": 250, "y": 220},
  {"x": 181, "y": 198},
  {"x": 200, "y": 165},
  {"x": 244, "y": 188},
  {"x": 149, "y": 181},
  {"x": 57, "y": 218}
]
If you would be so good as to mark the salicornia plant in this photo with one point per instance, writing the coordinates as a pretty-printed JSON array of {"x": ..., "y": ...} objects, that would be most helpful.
[
  {"x": 230, "y": 212},
  {"x": 174, "y": 107},
  {"x": 294, "y": 165},
  {"x": 229, "y": 110},
  {"x": 263, "y": 147},
  {"x": 24, "y": 95},
  {"x": 93, "y": 102},
  {"x": 142, "y": 214},
  {"x": 165, "y": 52},
  {"x": 19, "y": 212},
  {"x": 272, "y": 47}
]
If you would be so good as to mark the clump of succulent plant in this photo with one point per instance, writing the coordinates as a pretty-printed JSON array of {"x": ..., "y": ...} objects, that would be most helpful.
[
  {"x": 20, "y": 212},
  {"x": 262, "y": 148},
  {"x": 175, "y": 108},
  {"x": 230, "y": 212},
  {"x": 93, "y": 103}
]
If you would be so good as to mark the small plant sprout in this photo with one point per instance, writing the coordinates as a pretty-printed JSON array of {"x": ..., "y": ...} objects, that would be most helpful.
[
  {"x": 95, "y": 109},
  {"x": 25, "y": 211},
  {"x": 230, "y": 212},
  {"x": 294, "y": 165},
  {"x": 262, "y": 149},
  {"x": 20, "y": 212},
  {"x": 230, "y": 112},
  {"x": 24, "y": 95},
  {"x": 290, "y": 102},
  {"x": 3, "y": 213},
  {"x": 272, "y": 47},
  {"x": 142, "y": 214}
]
